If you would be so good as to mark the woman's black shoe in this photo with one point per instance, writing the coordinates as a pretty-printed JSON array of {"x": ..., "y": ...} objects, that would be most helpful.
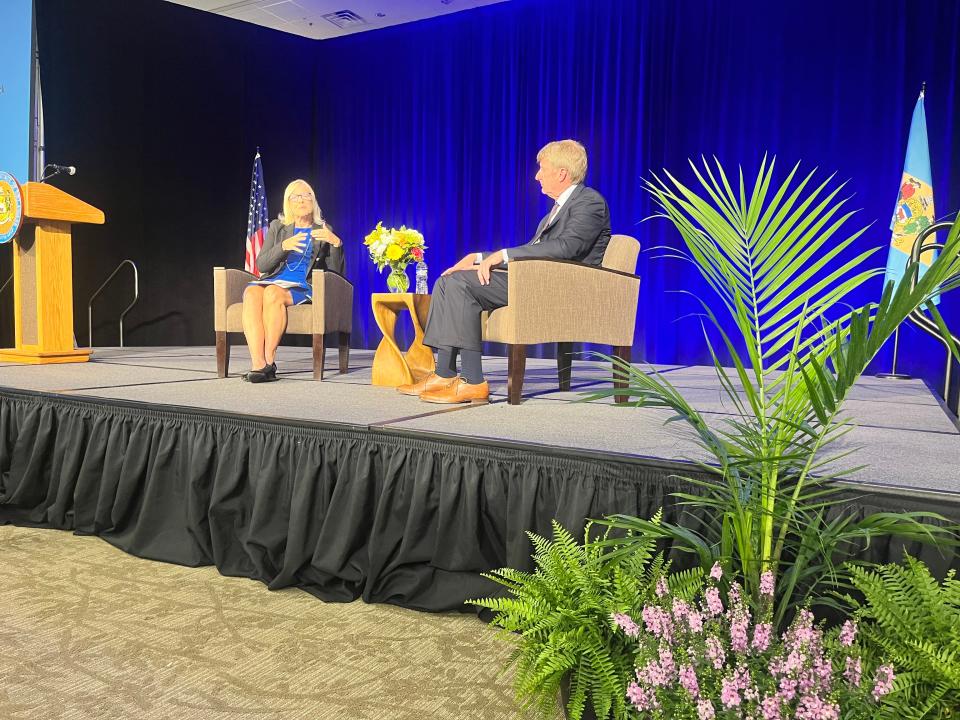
[{"x": 268, "y": 373}]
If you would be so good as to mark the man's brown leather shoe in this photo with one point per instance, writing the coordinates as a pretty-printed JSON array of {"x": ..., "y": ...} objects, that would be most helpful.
[
  {"x": 430, "y": 382},
  {"x": 459, "y": 392}
]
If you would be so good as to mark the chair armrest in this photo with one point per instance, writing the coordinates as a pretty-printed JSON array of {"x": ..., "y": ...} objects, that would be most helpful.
[
  {"x": 228, "y": 287},
  {"x": 565, "y": 301},
  {"x": 332, "y": 302},
  {"x": 556, "y": 261}
]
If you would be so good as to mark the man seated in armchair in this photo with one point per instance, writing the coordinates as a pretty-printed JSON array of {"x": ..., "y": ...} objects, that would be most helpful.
[{"x": 576, "y": 228}]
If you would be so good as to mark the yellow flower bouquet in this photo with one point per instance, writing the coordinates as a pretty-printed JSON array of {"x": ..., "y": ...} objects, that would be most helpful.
[{"x": 396, "y": 249}]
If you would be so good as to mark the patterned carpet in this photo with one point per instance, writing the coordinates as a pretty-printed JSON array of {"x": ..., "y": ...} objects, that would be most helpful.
[{"x": 87, "y": 631}]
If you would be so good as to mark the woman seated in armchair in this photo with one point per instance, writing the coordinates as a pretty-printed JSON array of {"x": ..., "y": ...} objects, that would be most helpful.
[{"x": 295, "y": 243}]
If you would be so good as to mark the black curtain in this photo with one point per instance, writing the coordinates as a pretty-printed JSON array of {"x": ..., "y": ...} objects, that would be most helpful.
[
  {"x": 342, "y": 512},
  {"x": 161, "y": 108}
]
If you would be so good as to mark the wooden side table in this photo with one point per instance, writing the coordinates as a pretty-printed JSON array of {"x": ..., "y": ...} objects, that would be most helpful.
[{"x": 391, "y": 366}]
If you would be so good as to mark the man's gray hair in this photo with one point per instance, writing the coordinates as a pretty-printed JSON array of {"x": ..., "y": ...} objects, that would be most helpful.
[{"x": 567, "y": 154}]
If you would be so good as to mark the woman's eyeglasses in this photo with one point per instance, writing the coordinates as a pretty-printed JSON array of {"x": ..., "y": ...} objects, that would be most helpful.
[{"x": 301, "y": 196}]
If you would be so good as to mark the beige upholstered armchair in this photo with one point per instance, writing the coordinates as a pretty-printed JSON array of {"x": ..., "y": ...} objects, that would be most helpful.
[
  {"x": 566, "y": 302},
  {"x": 331, "y": 311}
]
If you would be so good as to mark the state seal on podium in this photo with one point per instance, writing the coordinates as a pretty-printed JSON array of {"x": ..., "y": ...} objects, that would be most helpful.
[{"x": 11, "y": 207}]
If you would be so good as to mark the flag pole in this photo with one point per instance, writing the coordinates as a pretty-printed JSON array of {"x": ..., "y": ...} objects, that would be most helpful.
[{"x": 916, "y": 182}]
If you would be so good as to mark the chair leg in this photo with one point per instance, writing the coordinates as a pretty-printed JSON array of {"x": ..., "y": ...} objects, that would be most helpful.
[
  {"x": 223, "y": 355},
  {"x": 516, "y": 364},
  {"x": 344, "y": 352},
  {"x": 564, "y": 361},
  {"x": 623, "y": 352},
  {"x": 318, "y": 351}
]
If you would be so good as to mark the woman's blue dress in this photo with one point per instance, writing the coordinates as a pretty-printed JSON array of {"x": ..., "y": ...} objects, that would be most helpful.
[{"x": 293, "y": 273}]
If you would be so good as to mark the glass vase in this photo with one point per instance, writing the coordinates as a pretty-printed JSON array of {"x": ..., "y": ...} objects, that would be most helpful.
[{"x": 397, "y": 280}]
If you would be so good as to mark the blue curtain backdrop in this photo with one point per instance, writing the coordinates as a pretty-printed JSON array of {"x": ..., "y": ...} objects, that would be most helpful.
[{"x": 436, "y": 124}]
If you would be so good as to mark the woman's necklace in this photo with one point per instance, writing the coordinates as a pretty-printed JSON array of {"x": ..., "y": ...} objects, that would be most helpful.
[{"x": 301, "y": 259}]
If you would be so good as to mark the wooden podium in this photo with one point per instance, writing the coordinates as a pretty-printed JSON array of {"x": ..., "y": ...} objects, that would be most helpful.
[{"x": 43, "y": 276}]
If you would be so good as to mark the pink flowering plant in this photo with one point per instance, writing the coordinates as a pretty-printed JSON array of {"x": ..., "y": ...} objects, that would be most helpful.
[{"x": 707, "y": 659}]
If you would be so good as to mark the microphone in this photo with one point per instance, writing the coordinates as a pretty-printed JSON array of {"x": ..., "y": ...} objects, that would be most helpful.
[{"x": 56, "y": 170}]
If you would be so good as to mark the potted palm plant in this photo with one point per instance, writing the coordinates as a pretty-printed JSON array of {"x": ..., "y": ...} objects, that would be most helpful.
[{"x": 778, "y": 258}]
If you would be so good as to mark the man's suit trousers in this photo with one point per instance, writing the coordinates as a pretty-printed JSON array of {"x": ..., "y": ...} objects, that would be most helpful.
[{"x": 455, "y": 307}]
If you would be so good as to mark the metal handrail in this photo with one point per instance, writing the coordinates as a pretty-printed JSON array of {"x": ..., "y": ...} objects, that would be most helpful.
[
  {"x": 917, "y": 317},
  {"x": 136, "y": 296},
  {"x": 918, "y": 249}
]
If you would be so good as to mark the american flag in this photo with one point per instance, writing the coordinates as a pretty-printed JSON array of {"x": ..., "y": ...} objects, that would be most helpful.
[{"x": 258, "y": 218}]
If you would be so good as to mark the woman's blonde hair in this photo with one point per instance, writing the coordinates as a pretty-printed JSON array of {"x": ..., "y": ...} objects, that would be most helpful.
[
  {"x": 567, "y": 154},
  {"x": 287, "y": 216}
]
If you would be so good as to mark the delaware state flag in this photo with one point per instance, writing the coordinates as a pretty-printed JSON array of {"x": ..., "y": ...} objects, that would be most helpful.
[{"x": 914, "y": 209}]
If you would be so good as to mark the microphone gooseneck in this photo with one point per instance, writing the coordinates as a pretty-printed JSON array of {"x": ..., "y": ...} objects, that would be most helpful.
[{"x": 55, "y": 170}]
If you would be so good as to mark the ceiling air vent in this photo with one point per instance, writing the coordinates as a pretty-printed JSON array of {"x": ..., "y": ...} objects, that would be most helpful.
[{"x": 345, "y": 19}]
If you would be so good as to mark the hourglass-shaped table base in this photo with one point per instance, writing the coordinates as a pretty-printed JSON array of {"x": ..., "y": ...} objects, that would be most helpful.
[{"x": 391, "y": 365}]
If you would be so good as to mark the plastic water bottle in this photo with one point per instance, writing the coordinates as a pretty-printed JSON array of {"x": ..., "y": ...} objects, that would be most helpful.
[{"x": 423, "y": 288}]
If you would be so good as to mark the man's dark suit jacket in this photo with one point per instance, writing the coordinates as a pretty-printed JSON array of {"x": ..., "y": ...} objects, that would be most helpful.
[
  {"x": 580, "y": 231},
  {"x": 323, "y": 256}
]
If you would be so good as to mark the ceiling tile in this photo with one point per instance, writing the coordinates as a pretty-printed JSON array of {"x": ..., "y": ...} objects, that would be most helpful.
[
  {"x": 287, "y": 10},
  {"x": 305, "y": 17}
]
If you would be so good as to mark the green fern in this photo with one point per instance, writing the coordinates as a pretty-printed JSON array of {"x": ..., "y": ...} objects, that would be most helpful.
[
  {"x": 913, "y": 621},
  {"x": 560, "y": 618}
]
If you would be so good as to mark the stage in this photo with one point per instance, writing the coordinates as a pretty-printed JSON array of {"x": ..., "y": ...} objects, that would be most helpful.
[{"x": 350, "y": 490}]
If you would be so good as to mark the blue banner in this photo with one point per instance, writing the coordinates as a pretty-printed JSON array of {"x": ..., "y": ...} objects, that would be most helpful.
[{"x": 16, "y": 34}]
